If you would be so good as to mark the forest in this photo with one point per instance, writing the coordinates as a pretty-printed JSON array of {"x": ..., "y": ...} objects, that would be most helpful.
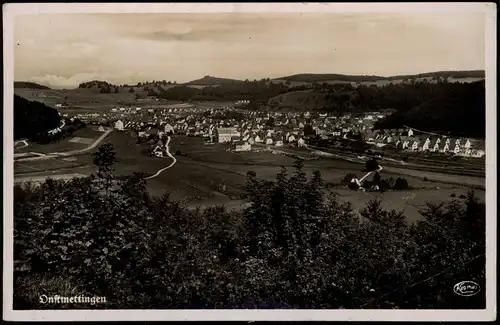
[
  {"x": 33, "y": 118},
  {"x": 295, "y": 246},
  {"x": 457, "y": 109}
]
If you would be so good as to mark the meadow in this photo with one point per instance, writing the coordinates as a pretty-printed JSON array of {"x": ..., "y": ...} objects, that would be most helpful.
[{"x": 210, "y": 174}]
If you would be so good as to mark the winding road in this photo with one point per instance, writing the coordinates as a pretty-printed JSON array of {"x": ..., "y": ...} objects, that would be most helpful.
[{"x": 168, "y": 154}]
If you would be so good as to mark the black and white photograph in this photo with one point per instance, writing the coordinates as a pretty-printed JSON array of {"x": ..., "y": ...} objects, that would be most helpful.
[{"x": 249, "y": 161}]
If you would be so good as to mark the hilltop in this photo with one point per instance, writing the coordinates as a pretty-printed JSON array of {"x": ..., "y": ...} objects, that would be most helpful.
[
  {"x": 213, "y": 81},
  {"x": 29, "y": 85}
]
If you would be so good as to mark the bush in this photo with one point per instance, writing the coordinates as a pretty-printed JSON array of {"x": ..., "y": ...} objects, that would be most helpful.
[
  {"x": 401, "y": 184},
  {"x": 347, "y": 179},
  {"x": 371, "y": 165},
  {"x": 452, "y": 195}
]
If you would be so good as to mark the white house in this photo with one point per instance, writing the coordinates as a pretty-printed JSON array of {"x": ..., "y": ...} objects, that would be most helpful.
[
  {"x": 410, "y": 132},
  {"x": 242, "y": 146},
  {"x": 301, "y": 142},
  {"x": 477, "y": 153},
  {"x": 456, "y": 146},
  {"x": 158, "y": 151},
  {"x": 225, "y": 135},
  {"x": 426, "y": 145},
  {"x": 278, "y": 143},
  {"x": 415, "y": 144},
  {"x": 101, "y": 129},
  {"x": 446, "y": 147},
  {"x": 119, "y": 125},
  {"x": 169, "y": 129},
  {"x": 434, "y": 145},
  {"x": 291, "y": 138},
  {"x": 269, "y": 140},
  {"x": 467, "y": 148}
]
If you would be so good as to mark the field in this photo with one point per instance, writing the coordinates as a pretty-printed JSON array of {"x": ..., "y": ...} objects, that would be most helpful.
[
  {"x": 39, "y": 166},
  {"x": 209, "y": 174},
  {"x": 88, "y": 135}
]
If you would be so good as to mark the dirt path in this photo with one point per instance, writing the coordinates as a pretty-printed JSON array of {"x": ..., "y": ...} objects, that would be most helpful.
[{"x": 169, "y": 166}]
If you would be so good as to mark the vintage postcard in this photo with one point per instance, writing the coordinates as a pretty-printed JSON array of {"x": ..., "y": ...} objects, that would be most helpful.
[{"x": 250, "y": 161}]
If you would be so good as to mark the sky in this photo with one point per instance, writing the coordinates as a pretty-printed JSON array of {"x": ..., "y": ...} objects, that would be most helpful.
[{"x": 62, "y": 50}]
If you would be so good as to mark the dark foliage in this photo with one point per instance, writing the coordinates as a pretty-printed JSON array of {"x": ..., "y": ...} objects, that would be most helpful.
[
  {"x": 33, "y": 118},
  {"x": 447, "y": 107},
  {"x": 67, "y": 131},
  {"x": 97, "y": 84},
  {"x": 353, "y": 78},
  {"x": 401, "y": 184},
  {"x": 29, "y": 85},
  {"x": 371, "y": 165},
  {"x": 347, "y": 179}
]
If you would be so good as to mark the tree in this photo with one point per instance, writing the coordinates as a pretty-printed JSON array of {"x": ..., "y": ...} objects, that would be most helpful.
[
  {"x": 131, "y": 90},
  {"x": 104, "y": 159},
  {"x": 309, "y": 131},
  {"x": 401, "y": 184},
  {"x": 377, "y": 180},
  {"x": 371, "y": 165}
]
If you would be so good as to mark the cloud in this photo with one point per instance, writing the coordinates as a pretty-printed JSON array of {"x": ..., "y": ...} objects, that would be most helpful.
[
  {"x": 52, "y": 80},
  {"x": 67, "y": 49}
]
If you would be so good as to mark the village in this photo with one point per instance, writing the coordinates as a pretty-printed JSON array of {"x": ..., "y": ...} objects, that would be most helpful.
[{"x": 243, "y": 129}]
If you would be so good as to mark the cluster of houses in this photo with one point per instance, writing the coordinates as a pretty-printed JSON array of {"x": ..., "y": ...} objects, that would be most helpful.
[
  {"x": 408, "y": 140},
  {"x": 242, "y": 140},
  {"x": 280, "y": 129}
]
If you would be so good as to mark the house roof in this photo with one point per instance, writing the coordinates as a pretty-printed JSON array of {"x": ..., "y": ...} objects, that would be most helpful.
[
  {"x": 226, "y": 130},
  {"x": 433, "y": 143}
]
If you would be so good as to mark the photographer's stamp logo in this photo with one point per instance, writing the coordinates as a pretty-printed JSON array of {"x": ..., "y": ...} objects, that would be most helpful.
[{"x": 466, "y": 288}]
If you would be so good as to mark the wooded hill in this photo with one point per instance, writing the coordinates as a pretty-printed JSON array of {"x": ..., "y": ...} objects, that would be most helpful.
[
  {"x": 29, "y": 85},
  {"x": 32, "y": 118},
  {"x": 457, "y": 109},
  {"x": 311, "y": 78}
]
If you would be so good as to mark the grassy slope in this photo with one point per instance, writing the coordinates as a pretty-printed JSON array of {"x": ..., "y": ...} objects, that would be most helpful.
[{"x": 306, "y": 99}]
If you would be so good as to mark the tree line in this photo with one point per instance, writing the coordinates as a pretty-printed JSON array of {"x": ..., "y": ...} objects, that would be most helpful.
[{"x": 295, "y": 246}]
